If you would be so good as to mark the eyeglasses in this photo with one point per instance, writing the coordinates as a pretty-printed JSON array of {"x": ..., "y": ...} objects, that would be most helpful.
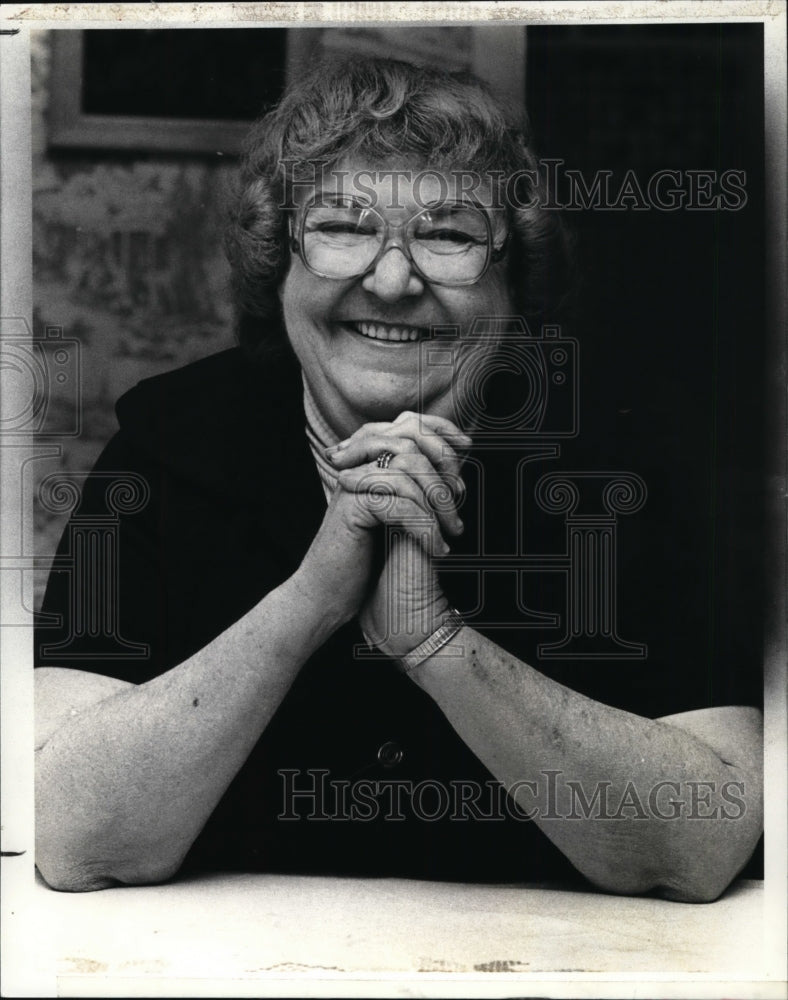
[{"x": 450, "y": 244}]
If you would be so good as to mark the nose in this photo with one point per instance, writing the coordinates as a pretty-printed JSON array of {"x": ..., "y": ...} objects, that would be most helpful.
[{"x": 393, "y": 277}]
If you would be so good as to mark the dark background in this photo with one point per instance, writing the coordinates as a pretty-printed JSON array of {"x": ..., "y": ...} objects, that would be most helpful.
[{"x": 670, "y": 317}]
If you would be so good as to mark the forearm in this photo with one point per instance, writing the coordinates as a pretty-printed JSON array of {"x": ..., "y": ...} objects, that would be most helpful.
[
  {"x": 125, "y": 786},
  {"x": 552, "y": 745}
]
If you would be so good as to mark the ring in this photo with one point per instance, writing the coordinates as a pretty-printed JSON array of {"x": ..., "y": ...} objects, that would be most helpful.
[{"x": 384, "y": 459}]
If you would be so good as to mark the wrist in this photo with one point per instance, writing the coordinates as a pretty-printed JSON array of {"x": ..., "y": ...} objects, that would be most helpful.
[
  {"x": 316, "y": 606},
  {"x": 403, "y": 642},
  {"x": 437, "y": 644}
]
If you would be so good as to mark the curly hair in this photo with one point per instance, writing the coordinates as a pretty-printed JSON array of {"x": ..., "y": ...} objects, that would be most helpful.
[{"x": 376, "y": 111}]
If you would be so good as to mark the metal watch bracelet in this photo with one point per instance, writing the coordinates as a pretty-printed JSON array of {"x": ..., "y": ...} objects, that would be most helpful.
[{"x": 439, "y": 638}]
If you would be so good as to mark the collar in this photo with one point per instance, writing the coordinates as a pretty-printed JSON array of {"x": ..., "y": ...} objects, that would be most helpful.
[{"x": 320, "y": 436}]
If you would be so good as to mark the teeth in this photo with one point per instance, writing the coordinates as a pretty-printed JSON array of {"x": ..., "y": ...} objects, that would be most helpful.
[{"x": 378, "y": 331}]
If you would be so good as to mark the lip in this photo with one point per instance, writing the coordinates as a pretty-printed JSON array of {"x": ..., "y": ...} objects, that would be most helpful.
[{"x": 385, "y": 334}]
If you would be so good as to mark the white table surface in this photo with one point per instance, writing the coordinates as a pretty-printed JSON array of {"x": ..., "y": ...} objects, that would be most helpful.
[{"x": 259, "y": 935}]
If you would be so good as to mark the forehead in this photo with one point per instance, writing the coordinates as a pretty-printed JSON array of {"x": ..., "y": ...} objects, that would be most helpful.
[{"x": 401, "y": 189}]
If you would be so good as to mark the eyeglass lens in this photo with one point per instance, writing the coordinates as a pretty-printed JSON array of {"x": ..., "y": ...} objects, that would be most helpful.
[{"x": 450, "y": 243}]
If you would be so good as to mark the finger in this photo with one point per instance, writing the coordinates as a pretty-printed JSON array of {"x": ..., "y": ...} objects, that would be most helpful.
[
  {"x": 427, "y": 422},
  {"x": 430, "y": 497},
  {"x": 437, "y": 437},
  {"x": 410, "y": 459},
  {"x": 428, "y": 490},
  {"x": 370, "y": 440},
  {"x": 431, "y": 423},
  {"x": 391, "y": 509},
  {"x": 440, "y": 491},
  {"x": 367, "y": 447}
]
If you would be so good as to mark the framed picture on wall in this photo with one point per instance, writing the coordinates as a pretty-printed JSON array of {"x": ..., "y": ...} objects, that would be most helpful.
[
  {"x": 163, "y": 90},
  {"x": 197, "y": 90}
]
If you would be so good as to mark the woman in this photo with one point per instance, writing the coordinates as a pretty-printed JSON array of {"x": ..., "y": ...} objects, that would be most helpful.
[{"x": 381, "y": 206}]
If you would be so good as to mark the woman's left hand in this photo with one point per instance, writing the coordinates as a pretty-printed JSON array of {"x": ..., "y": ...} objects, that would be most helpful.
[{"x": 407, "y": 604}]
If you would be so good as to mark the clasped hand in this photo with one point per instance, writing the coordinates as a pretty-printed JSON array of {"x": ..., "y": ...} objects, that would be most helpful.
[{"x": 387, "y": 577}]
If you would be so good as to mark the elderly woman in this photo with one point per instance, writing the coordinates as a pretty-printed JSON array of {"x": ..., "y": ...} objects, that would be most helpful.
[{"x": 309, "y": 696}]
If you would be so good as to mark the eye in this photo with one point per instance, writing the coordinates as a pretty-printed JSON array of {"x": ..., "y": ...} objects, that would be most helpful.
[
  {"x": 447, "y": 235},
  {"x": 451, "y": 230},
  {"x": 341, "y": 221},
  {"x": 342, "y": 228}
]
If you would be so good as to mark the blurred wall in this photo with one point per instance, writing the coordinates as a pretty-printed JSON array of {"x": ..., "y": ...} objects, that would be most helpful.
[{"x": 128, "y": 261}]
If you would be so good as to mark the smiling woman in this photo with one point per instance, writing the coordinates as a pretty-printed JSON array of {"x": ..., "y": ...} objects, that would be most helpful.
[
  {"x": 357, "y": 332},
  {"x": 319, "y": 690}
]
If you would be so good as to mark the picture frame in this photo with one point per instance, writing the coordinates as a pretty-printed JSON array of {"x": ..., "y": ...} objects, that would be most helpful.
[{"x": 487, "y": 51}]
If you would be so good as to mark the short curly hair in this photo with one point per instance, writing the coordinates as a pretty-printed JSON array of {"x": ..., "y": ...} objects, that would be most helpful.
[{"x": 378, "y": 111}]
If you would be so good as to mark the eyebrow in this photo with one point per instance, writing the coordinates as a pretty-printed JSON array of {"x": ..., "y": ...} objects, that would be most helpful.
[{"x": 333, "y": 199}]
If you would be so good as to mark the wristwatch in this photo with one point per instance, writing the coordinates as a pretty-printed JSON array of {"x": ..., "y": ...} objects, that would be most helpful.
[{"x": 439, "y": 638}]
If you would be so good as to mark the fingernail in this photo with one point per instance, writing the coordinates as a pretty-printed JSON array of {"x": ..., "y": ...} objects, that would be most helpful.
[{"x": 329, "y": 453}]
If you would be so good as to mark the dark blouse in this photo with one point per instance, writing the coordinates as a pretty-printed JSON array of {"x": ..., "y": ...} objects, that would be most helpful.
[{"x": 358, "y": 772}]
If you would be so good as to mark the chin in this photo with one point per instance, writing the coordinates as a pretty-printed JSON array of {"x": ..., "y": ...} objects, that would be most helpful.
[{"x": 384, "y": 409}]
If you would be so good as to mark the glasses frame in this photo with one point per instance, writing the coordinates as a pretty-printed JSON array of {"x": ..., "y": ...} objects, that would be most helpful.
[{"x": 402, "y": 243}]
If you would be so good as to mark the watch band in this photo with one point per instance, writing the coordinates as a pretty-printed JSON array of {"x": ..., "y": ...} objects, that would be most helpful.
[{"x": 439, "y": 638}]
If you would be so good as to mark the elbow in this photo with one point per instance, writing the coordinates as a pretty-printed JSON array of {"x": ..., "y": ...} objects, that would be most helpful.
[
  {"x": 696, "y": 887},
  {"x": 75, "y": 868},
  {"x": 699, "y": 887},
  {"x": 85, "y": 856},
  {"x": 72, "y": 878},
  {"x": 698, "y": 872},
  {"x": 64, "y": 875},
  {"x": 706, "y": 880},
  {"x": 703, "y": 867}
]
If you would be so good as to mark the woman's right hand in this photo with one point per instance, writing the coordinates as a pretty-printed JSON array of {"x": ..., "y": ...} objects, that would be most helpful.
[{"x": 337, "y": 571}]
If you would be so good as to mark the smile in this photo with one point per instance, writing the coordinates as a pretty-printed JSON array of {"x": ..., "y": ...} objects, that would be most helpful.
[{"x": 384, "y": 331}]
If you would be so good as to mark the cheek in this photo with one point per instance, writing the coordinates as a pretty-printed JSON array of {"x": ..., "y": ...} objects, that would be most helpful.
[
  {"x": 491, "y": 299},
  {"x": 306, "y": 299},
  {"x": 497, "y": 299}
]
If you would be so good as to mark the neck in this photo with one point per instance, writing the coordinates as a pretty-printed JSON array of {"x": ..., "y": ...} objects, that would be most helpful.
[{"x": 320, "y": 428}]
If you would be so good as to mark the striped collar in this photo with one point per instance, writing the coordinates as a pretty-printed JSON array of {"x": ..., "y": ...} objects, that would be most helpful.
[{"x": 320, "y": 436}]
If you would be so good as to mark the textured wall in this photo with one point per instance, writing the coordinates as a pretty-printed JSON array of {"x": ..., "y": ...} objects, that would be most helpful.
[{"x": 128, "y": 262}]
